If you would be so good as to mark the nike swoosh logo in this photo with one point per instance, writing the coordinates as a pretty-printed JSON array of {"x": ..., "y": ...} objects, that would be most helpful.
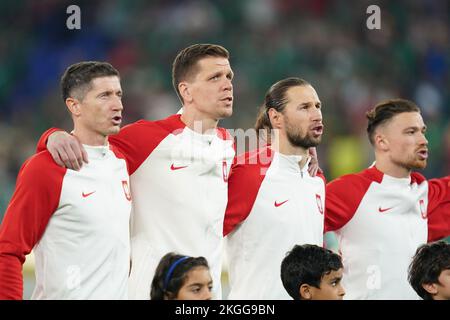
[
  {"x": 279, "y": 204},
  {"x": 87, "y": 194},
  {"x": 172, "y": 167},
  {"x": 384, "y": 210}
]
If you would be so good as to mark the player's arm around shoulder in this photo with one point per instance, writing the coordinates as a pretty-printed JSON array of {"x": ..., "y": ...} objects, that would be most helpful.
[
  {"x": 136, "y": 141},
  {"x": 66, "y": 150}
]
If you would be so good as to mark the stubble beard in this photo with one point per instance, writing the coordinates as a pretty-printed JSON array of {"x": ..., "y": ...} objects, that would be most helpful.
[
  {"x": 305, "y": 142},
  {"x": 413, "y": 164}
]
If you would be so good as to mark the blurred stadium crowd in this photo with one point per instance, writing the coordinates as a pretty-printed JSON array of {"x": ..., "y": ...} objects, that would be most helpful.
[{"x": 325, "y": 41}]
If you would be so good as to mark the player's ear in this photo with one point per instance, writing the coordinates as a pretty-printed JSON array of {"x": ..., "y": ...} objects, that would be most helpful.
[
  {"x": 73, "y": 105},
  {"x": 275, "y": 118},
  {"x": 431, "y": 288},
  {"x": 381, "y": 141},
  {"x": 185, "y": 91},
  {"x": 305, "y": 292}
]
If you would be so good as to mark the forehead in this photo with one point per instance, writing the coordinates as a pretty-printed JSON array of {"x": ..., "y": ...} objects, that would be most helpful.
[
  {"x": 198, "y": 275},
  {"x": 210, "y": 63},
  {"x": 105, "y": 83},
  {"x": 333, "y": 274},
  {"x": 302, "y": 94},
  {"x": 405, "y": 120}
]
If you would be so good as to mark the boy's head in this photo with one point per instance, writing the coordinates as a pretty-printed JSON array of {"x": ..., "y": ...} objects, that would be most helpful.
[
  {"x": 429, "y": 271},
  {"x": 309, "y": 272}
]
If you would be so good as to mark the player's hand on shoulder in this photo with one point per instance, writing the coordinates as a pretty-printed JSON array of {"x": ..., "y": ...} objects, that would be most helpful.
[
  {"x": 66, "y": 150},
  {"x": 314, "y": 163}
]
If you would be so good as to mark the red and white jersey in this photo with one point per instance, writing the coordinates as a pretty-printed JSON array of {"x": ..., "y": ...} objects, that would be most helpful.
[
  {"x": 179, "y": 183},
  {"x": 380, "y": 221},
  {"x": 76, "y": 222},
  {"x": 272, "y": 206}
]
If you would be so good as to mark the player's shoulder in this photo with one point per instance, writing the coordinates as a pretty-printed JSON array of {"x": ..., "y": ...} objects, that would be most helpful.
[
  {"x": 41, "y": 160},
  {"x": 320, "y": 176},
  {"x": 116, "y": 151},
  {"x": 347, "y": 179},
  {"x": 167, "y": 125},
  {"x": 253, "y": 163},
  {"x": 255, "y": 158},
  {"x": 418, "y": 178},
  {"x": 224, "y": 134},
  {"x": 41, "y": 166},
  {"x": 360, "y": 180}
]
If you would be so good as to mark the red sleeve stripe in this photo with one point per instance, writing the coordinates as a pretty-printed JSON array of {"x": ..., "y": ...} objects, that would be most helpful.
[{"x": 247, "y": 175}]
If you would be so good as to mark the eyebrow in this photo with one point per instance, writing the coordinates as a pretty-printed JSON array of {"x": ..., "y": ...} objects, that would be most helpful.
[
  {"x": 199, "y": 284},
  {"x": 416, "y": 128},
  {"x": 336, "y": 279},
  {"x": 306, "y": 103},
  {"x": 218, "y": 73},
  {"x": 109, "y": 92}
]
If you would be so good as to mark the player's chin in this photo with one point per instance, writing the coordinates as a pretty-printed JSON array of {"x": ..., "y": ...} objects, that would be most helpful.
[
  {"x": 113, "y": 130},
  {"x": 225, "y": 112},
  {"x": 419, "y": 164},
  {"x": 316, "y": 140}
]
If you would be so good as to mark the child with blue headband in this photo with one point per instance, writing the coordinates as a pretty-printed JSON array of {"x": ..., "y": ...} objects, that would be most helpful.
[{"x": 179, "y": 277}]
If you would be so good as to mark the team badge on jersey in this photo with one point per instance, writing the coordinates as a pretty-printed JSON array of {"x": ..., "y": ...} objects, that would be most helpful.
[
  {"x": 319, "y": 203},
  {"x": 225, "y": 171},
  {"x": 423, "y": 212},
  {"x": 126, "y": 190}
]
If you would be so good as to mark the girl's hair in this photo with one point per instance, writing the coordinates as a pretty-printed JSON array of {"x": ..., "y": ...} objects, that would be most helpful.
[{"x": 171, "y": 274}]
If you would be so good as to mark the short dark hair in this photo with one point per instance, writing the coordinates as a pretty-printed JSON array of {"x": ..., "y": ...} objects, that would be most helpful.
[
  {"x": 275, "y": 98},
  {"x": 427, "y": 264},
  {"x": 78, "y": 77},
  {"x": 185, "y": 62},
  {"x": 386, "y": 110},
  {"x": 168, "y": 285},
  {"x": 307, "y": 264}
]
